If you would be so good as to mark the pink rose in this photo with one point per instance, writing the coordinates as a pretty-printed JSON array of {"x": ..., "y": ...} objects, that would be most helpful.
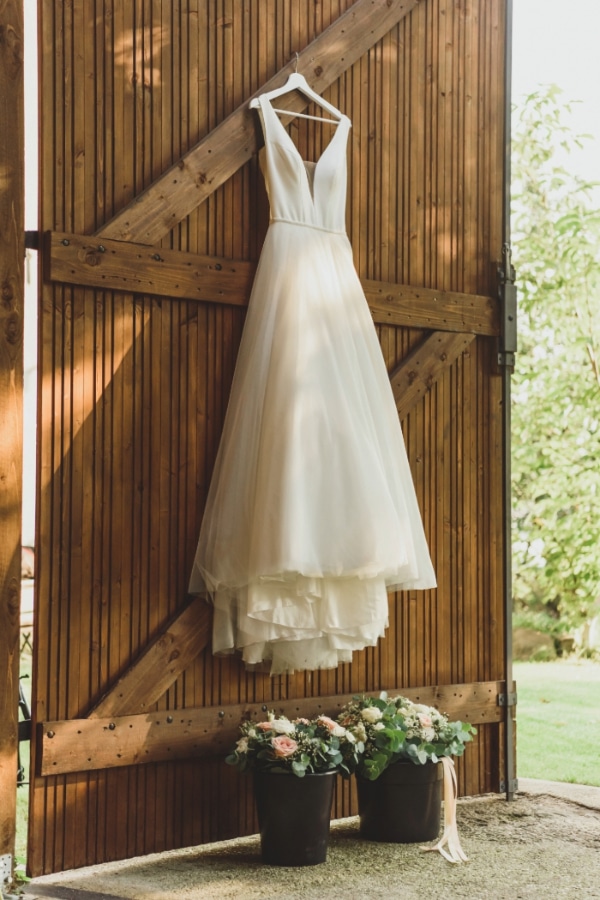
[
  {"x": 301, "y": 721},
  {"x": 284, "y": 746},
  {"x": 425, "y": 720},
  {"x": 327, "y": 722},
  {"x": 264, "y": 726}
]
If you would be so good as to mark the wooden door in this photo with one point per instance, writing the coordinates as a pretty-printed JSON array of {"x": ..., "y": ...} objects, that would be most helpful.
[
  {"x": 12, "y": 255},
  {"x": 154, "y": 212}
]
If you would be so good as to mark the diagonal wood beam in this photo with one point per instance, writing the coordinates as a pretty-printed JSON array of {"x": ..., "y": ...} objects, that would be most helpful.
[
  {"x": 160, "y": 664},
  {"x": 221, "y": 153},
  {"x": 419, "y": 371},
  {"x": 137, "y": 268}
]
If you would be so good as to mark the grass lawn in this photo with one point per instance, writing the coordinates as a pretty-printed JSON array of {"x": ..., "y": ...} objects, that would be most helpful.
[
  {"x": 558, "y": 721},
  {"x": 23, "y": 792}
]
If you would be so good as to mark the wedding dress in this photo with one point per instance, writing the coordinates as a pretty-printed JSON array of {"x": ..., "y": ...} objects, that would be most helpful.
[{"x": 311, "y": 515}]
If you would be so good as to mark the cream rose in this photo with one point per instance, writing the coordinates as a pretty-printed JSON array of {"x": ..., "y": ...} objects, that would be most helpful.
[
  {"x": 360, "y": 732},
  {"x": 282, "y": 726},
  {"x": 371, "y": 714}
]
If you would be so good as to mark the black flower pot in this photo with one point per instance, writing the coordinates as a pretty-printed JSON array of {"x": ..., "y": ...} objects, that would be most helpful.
[
  {"x": 293, "y": 817},
  {"x": 403, "y": 805}
]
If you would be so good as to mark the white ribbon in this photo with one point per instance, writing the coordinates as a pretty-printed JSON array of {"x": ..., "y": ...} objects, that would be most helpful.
[{"x": 454, "y": 853}]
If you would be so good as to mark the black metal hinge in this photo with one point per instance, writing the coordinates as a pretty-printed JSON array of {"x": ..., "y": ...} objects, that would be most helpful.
[
  {"x": 32, "y": 240},
  {"x": 508, "y": 699},
  {"x": 507, "y": 295},
  {"x": 513, "y": 786}
]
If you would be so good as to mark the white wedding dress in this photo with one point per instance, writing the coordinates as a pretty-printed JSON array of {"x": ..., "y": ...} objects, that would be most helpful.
[{"x": 311, "y": 515}]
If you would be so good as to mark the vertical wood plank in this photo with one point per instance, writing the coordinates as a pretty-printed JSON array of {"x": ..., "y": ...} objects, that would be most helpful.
[
  {"x": 135, "y": 391},
  {"x": 12, "y": 252}
]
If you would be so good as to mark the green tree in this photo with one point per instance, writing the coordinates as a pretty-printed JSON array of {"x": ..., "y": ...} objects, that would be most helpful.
[{"x": 556, "y": 386}]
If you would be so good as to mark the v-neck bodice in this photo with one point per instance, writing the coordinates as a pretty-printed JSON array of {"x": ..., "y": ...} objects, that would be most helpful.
[{"x": 301, "y": 192}]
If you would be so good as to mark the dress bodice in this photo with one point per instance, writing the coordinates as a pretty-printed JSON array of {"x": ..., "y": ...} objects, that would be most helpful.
[{"x": 303, "y": 192}]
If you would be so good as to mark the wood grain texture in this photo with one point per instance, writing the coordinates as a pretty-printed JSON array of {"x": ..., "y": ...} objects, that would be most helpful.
[
  {"x": 115, "y": 741},
  {"x": 160, "y": 665},
  {"x": 215, "y": 159},
  {"x": 426, "y": 307},
  {"x": 121, "y": 265},
  {"x": 423, "y": 366},
  {"x": 134, "y": 385},
  {"x": 12, "y": 252}
]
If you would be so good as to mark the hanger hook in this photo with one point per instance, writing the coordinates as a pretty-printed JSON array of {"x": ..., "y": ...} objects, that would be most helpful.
[{"x": 296, "y": 61}]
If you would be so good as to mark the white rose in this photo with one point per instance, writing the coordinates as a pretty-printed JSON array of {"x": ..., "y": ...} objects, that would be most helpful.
[
  {"x": 378, "y": 726},
  {"x": 429, "y": 734},
  {"x": 338, "y": 731},
  {"x": 242, "y": 745},
  {"x": 282, "y": 726},
  {"x": 360, "y": 732},
  {"x": 371, "y": 714}
]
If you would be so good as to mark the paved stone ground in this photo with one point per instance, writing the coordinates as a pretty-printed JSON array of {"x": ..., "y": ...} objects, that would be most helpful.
[{"x": 546, "y": 845}]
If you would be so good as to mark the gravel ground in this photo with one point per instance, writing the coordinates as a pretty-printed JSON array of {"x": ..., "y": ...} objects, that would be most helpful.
[{"x": 546, "y": 844}]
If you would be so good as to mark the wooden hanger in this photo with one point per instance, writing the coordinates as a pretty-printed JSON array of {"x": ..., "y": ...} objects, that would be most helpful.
[{"x": 297, "y": 82}]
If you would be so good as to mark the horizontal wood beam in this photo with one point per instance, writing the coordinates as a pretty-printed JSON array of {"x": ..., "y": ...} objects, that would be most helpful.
[
  {"x": 161, "y": 663},
  {"x": 136, "y": 268},
  {"x": 81, "y": 745},
  {"x": 419, "y": 307},
  {"x": 420, "y": 370},
  {"x": 192, "y": 179}
]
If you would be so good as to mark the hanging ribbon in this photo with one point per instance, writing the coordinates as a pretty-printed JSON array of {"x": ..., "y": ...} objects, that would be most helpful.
[{"x": 454, "y": 853}]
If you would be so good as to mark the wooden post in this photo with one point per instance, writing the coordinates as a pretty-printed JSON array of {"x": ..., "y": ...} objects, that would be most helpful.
[{"x": 11, "y": 400}]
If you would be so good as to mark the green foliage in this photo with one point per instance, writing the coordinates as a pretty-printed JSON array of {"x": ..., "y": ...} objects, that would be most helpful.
[
  {"x": 297, "y": 746},
  {"x": 556, "y": 387},
  {"x": 390, "y": 729}
]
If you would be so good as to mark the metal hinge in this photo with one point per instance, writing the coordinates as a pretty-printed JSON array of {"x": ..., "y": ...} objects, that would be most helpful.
[
  {"x": 512, "y": 789},
  {"x": 508, "y": 699},
  {"x": 32, "y": 240},
  {"x": 507, "y": 295},
  {"x": 25, "y": 730}
]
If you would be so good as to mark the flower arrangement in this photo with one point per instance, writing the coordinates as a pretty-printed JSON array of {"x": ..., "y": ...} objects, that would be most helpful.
[
  {"x": 389, "y": 729},
  {"x": 296, "y": 746}
]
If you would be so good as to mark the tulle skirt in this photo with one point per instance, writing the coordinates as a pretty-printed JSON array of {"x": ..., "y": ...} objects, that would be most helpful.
[{"x": 311, "y": 515}]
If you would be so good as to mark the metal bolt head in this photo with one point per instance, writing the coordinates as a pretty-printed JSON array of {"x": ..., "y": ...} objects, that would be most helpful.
[
  {"x": 112, "y": 726},
  {"x": 50, "y": 734}
]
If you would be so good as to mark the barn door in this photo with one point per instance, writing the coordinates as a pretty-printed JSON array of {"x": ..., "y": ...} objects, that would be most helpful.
[
  {"x": 153, "y": 213},
  {"x": 12, "y": 253}
]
